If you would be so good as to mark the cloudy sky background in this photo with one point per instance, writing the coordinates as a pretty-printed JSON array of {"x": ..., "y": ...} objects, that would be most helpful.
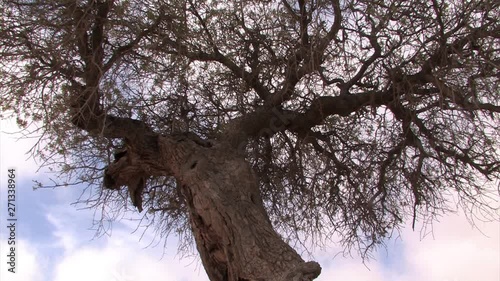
[{"x": 55, "y": 242}]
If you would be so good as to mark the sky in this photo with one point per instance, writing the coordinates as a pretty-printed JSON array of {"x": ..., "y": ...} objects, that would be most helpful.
[{"x": 55, "y": 241}]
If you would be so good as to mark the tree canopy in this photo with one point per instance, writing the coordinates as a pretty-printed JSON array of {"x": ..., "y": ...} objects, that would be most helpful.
[{"x": 354, "y": 116}]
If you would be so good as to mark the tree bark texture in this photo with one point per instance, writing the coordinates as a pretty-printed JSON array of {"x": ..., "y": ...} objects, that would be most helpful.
[{"x": 233, "y": 233}]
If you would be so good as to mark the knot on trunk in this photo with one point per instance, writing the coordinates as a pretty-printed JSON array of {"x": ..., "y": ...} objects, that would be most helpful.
[
  {"x": 306, "y": 271},
  {"x": 126, "y": 171}
]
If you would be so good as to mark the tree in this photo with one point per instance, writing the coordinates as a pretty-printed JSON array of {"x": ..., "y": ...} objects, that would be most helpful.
[{"x": 250, "y": 124}]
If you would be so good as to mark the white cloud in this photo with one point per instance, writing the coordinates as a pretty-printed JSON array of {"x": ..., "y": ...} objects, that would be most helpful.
[
  {"x": 346, "y": 269},
  {"x": 122, "y": 260},
  {"x": 123, "y": 256},
  {"x": 457, "y": 252},
  {"x": 62, "y": 233},
  {"x": 29, "y": 264}
]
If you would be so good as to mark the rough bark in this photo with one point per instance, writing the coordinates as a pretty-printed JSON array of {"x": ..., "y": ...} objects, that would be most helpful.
[{"x": 233, "y": 234}]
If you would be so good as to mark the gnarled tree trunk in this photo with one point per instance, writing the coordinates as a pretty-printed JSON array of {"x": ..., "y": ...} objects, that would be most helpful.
[{"x": 233, "y": 234}]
